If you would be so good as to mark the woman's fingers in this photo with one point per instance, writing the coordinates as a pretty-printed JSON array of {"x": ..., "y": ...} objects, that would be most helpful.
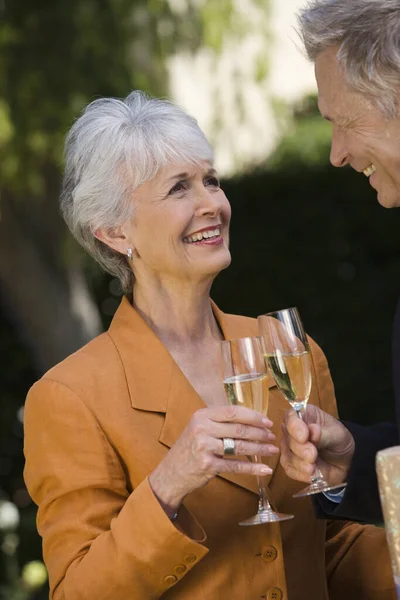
[
  {"x": 244, "y": 448},
  {"x": 237, "y": 414},
  {"x": 246, "y": 427},
  {"x": 205, "y": 443},
  {"x": 241, "y": 431},
  {"x": 222, "y": 465},
  {"x": 198, "y": 454},
  {"x": 236, "y": 422}
]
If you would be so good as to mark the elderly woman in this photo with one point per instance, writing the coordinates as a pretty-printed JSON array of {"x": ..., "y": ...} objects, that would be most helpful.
[
  {"x": 356, "y": 50},
  {"x": 124, "y": 439}
]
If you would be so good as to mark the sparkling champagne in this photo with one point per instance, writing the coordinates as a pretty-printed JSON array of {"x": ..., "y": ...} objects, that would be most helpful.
[
  {"x": 248, "y": 390},
  {"x": 292, "y": 374}
]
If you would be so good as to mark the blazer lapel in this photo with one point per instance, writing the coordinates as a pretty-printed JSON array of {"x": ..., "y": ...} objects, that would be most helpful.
[
  {"x": 157, "y": 384},
  {"x": 147, "y": 363},
  {"x": 183, "y": 401}
]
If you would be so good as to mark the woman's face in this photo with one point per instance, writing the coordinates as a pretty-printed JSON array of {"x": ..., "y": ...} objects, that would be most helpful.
[{"x": 180, "y": 226}]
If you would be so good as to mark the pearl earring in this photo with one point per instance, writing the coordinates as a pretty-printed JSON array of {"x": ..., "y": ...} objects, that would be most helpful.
[{"x": 129, "y": 253}]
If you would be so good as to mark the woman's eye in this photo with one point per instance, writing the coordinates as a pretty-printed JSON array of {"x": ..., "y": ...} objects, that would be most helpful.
[
  {"x": 178, "y": 187},
  {"x": 214, "y": 181}
]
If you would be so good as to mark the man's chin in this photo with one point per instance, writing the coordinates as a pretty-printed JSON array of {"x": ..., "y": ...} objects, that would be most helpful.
[{"x": 389, "y": 200}]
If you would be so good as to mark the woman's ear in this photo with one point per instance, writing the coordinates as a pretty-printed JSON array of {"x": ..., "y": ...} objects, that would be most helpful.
[{"x": 115, "y": 238}]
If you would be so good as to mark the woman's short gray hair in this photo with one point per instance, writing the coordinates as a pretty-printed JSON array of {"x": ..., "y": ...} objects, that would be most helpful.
[
  {"x": 112, "y": 148},
  {"x": 368, "y": 35}
]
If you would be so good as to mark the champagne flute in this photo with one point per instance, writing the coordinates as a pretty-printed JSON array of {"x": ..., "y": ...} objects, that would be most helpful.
[
  {"x": 245, "y": 383},
  {"x": 287, "y": 354}
]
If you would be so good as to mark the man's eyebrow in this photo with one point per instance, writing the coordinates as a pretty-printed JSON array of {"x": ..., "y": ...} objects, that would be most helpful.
[
  {"x": 327, "y": 118},
  {"x": 339, "y": 121},
  {"x": 324, "y": 115}
]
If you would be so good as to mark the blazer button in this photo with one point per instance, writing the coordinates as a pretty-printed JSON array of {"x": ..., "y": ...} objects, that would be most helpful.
[
  {"x": 274, "y": 594},
  {"x": 170, "y": 580},
  {"x": 269, "y": 554},
  {"x": 190, "y": 559},
  {"x": 178, "y": 569}
]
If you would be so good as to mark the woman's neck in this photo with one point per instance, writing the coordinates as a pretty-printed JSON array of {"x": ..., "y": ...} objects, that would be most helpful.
[{"x": 178, "y": 312}]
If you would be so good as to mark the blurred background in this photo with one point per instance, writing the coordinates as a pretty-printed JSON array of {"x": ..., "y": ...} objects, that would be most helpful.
[{"x": 303, "y": 233}]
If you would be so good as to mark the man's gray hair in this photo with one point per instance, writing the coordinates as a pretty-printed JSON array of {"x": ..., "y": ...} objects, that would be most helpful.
[
  {"x": 367, "y": 33},
  {"x": 112, "y": 148}
]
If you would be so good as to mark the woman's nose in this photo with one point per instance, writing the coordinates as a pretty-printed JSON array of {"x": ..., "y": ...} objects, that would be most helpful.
[
  {"x": 339, "y": 156},
  {"x": 209, "y": 203}
]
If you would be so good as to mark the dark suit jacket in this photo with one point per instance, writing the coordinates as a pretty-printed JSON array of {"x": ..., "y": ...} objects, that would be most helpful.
[{"x": 361, "y": 500}]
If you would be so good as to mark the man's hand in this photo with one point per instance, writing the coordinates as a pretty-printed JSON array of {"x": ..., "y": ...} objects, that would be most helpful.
[{"x": 319, "y": 441}]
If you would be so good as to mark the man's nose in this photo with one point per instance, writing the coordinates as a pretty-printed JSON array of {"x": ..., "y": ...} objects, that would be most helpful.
[{"x": 339, "y": 154}]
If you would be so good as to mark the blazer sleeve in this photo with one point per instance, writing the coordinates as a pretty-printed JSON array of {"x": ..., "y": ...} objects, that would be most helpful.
[
  {"x": 99, "y": 541},
  {"x": 361, "y": 500}
]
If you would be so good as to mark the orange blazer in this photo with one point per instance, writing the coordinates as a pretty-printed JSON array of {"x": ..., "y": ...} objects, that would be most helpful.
[{"x": 98, "y": 423}]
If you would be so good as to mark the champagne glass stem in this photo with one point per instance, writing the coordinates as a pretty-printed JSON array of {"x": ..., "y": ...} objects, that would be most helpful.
[
  {"x": 298, "y": 413},
  {"x": 263, "y": 502},
  {"x": 317, "y": 477}
]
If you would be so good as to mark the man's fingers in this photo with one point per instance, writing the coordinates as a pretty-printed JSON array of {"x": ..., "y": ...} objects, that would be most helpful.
[
  {"x": 295, "y": 467},
  {"x": 312, "y": 414},
  {"x": 315, "y": 433},
  {"x": 296, "y": 428},
  {"x": 304, "y": 452},
  {"x": 298, "y": 475},
  {"x": 297, "y": 452}
]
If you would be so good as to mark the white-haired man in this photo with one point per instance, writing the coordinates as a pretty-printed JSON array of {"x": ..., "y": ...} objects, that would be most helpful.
[{"x": 355, "y": 47}]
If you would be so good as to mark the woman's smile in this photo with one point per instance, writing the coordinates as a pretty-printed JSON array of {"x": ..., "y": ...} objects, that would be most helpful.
[{"x": 208, "y": 236}]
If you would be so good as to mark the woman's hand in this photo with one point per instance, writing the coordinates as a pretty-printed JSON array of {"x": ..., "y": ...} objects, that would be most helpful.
[{"x": 198, "y": 454}]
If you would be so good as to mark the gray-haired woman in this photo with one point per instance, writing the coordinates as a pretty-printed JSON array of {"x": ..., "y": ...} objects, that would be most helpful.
[
  {"x": 123, "y": 436},
  {"x": 355, "y": 46}
]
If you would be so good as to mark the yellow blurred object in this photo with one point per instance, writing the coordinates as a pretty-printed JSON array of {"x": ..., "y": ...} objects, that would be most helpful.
[
  {"x": 34, "y": 574},
  {"x": 388, "y": 469}
]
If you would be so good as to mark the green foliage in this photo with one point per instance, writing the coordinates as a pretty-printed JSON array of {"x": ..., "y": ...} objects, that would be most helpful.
[
  {"x": 58, "y": 56},
  {"x": 214, "y": 15},
  {"x": 307, "y": 137},
  {"x": 219, "y": 17}
]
